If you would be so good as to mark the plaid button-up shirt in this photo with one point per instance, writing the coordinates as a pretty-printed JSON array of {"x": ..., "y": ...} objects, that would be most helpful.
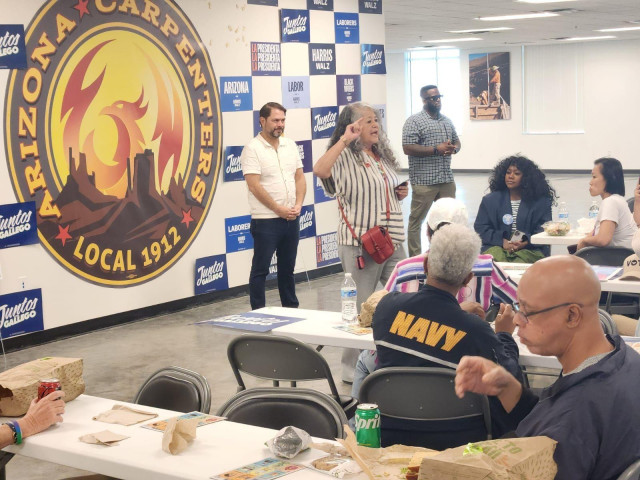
[{"x": 421, "y": 129}]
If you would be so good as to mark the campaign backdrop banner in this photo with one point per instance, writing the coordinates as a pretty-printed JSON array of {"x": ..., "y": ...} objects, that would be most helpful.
[
  {"x": 21, "y": 312},
  {"x": 307, "y": 222},
  {"x": 327, "y": 249},
  {"x": 294, "y": 25},
  {"x": 383, "y": 114},
  {"x": 256, "y": 123},
  {"x": 211, "y": 274},
  {"x": 349, "y": 89},
  {"x": 18, "y": 224},
  {"x": 237, "y": 234},
  {"x": 318, "y": 192},
  {"x": 252, "y": 321},
  {"x": 232, "y": 166},
  {"x": 295, "y": 92},
  {"x": 370, "y": 6},
  {"x": 320, "y": 5},
  {"x": 265, "y": 59},
  {"x": 304, "y": 147},
  {"x": 347, "y": 27},
  {"x": 235, "y": 94},
  {"x": 322, "y": 59},
  {"x": 372, "y": 57},
  {"x": 13, "y": 53},
  {"x": 271, "y": 3},
  {"x": 323, "y": 122}
]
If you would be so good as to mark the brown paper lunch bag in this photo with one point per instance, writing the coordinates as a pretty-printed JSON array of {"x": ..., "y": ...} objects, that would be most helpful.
[{"x": 19, "y": 385}]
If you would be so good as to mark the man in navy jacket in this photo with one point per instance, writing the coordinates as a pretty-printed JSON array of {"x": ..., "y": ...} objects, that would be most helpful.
[{"x": 592, "y": 409}]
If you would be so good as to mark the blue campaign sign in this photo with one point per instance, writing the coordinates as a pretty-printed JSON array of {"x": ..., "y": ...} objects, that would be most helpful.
[
  {"x": 273, "y": 267},
  {"x": 252, "y": 321},
  {"x": 18, "y": 224},
  {"x": 307, "y": 222},
  {"x": 21, "y": 312},
  {"x": 211, "y": 274},
  {"x": 13, "y": 53},
  {"x": 265, "y": 59},
  {"x": 235, "y": 93},
  {"x": 304, "y": 147},
  {"x": 347, "y": 27},
  {"x": 327, "y": 249},
  {"x": 294, "y": 25},
  {"x": 295, "y": 92},
  {"x": 320, "y": 5},
  {"x": 349, "y": 89},
  {"x": 271, "y": 3},
  {"x": 232, "y": 167},
  {"x": 383, "y": 115},
  {"x": 318, "y": 192},
  {"x": 372, "y": 57},
  {"x": 322, "y": 59},
  {"x": 237, "y": 233},
  {"x": 256, "y": 123},
  {"x": 323, "y": 122},
  {"x": 370, "y": 6}
]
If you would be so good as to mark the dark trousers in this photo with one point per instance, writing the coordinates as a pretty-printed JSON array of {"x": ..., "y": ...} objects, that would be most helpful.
[{"x": 280, "y": 236}]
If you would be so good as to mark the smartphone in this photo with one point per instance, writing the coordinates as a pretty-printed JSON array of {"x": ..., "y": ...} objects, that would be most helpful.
[{"x": 518, "y": 236}]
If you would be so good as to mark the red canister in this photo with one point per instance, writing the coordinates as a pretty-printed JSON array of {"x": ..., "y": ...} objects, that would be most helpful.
[{"x": 47, "y": 386}]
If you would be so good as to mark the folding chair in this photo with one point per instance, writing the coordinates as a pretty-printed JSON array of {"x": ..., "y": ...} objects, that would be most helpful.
[{"x": 175, "y": 388}]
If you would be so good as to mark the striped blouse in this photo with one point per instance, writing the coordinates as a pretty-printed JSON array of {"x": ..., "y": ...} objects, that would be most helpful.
[{"x": 361, "y": 190}]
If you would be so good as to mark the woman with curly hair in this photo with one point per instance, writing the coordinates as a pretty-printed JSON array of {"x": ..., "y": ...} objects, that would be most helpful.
[
  {"x": 519, "y": 203},
  {"x": 359, "y": 169}
]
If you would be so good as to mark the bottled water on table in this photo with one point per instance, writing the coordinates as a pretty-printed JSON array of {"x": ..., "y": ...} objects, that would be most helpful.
[
  {"x": 349, "y": 296},
  {"x": 563, "y": 213},
  {"x": 593, "y": 210}
]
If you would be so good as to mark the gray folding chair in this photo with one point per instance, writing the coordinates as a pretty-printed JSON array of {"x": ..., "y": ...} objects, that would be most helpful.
[
  {"x": 276, "y": 407},
  {"x": 632, "y": 472},
  {"x": 419, "y": 407},
  {"x": 608, "y": 324},
  {"x": 282, "y": 359},
  {"x": 175, "y": 388}
]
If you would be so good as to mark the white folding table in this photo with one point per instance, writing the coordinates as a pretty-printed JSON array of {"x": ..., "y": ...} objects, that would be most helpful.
[{"x": 572, "y": 238}]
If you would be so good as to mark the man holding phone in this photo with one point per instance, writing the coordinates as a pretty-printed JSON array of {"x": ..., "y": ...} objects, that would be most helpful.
[{"x": 429, "y": 139}]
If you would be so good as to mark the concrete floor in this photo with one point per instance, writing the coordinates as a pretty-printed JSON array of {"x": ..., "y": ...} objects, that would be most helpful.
[{"x": 117, "y": 360}]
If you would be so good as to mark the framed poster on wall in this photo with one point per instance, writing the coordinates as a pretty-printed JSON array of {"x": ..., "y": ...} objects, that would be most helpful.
[{"x": 489, "y": 86}]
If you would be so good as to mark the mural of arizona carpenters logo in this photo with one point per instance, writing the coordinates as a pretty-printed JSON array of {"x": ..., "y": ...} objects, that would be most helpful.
[{"x": 114, "y": 131}]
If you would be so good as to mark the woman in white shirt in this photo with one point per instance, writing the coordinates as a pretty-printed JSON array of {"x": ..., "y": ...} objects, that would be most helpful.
[{"x": 615, "y": 225}]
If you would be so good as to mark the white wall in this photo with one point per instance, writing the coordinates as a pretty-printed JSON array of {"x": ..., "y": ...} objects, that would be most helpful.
[{"x": 611, "y": 101}]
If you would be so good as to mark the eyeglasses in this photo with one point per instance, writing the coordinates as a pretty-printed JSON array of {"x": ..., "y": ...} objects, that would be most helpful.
[
  {"x": 525, "y": 316},
  {"x": 433, "y": 97}
]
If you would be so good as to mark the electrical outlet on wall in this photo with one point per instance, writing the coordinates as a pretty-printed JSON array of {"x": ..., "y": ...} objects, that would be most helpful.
[{"x": 22, "y": 283}]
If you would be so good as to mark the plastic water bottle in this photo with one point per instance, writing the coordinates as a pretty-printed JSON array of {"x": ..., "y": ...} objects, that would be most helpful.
[
  {"x": 593, "y": 210},
  {"x": 349, "y": 296},
  {"x": 563, "y": 213}
]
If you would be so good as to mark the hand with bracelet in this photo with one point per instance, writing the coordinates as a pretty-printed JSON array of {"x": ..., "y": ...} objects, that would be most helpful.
[
  {"x": 352, "y": 132},
  {"x": 40, "y": 416}
]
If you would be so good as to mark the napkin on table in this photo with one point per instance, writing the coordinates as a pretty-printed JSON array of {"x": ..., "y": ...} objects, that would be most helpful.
[
  {"x": 105, "y": 438},
  {"x": 180, "y": 432},
  {"x": 123, "y": 415}
]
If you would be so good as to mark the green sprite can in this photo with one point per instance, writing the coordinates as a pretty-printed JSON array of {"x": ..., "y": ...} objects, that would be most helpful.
[{"x": 368, "y": 425}]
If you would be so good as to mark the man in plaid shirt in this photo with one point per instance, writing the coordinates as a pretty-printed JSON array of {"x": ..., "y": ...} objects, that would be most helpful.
[{"x": 429, "y": 139}]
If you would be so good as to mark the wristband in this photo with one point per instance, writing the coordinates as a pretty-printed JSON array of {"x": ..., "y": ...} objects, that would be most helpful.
[
  {"x": 17, "y": 433},
  {"x": 344, "y": 141},
  {"x": 435, "y": 151}
]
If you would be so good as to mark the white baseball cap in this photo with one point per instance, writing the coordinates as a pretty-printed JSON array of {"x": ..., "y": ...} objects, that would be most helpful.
[
  {"x": 631, "y": 268},
  {"x": 447, "y": 210}
]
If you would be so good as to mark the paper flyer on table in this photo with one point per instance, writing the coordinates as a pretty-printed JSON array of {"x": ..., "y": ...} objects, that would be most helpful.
[
  {"x": 354, "y": 329},
  {"x": 203, "y": 419},
  {"x": 266, "y": 469},
  {"x": 605, "y": 273},
  {"x": 252, "y": 321}
]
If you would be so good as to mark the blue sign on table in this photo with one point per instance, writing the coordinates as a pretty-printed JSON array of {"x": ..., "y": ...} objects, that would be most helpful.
[
  {"x": 294, "y": 25},
  {"x": 320, "y": 5},
  {"x": 18, "y": 224},
  {"x": 347, "y": 27},
  {"x": 235, "y": 94},
  {"x": 265, "y": 59},
  {"x": 253, "y": 321},
  {"x": 13, "y": 53},
  {"x": 319, "y": 195},
  {"x": 304, "y": 147},
  {"x": 322, "y": 59},
  {"x": 372, "y": 59},
  {"x": 295, "y": 92},
  {"x": 307, "y": 222},
  {"x": 349, "y": 90},
  {"x": 256, "y": 123},
  {"x": 238, "y": 236},
  {"x": 323, "y": 122},
  {"x": 21, "y": 312},
  {"x": 370, "y": 6},
  {"x": 232, "y": 166},
  {"x": 211, "y": 274},
  {"x": 327, "y": 249},
  {"x": 271, "y": 3}
]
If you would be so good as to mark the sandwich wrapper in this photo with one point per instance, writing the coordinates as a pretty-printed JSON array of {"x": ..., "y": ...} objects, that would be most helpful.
[
  {"x": 105, "y": 438},
  {"x": 179, "y": 434},
  {"x": 288, "y": 442},
  {"x": 122, "y": 415}
]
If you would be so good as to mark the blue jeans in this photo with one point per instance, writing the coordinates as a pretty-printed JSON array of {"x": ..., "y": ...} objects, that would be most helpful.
[
  {"x": 280, "y": 236},
  {"x": 365, "y": 365}
]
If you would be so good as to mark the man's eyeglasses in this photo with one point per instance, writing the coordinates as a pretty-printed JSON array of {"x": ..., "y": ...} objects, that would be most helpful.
[
  {"x": 525, "y": 316},
  {"x": 433, "y": 97}
]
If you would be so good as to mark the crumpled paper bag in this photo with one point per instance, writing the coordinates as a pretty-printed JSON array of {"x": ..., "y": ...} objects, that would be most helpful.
[
  {"x": 179, "y": 434},
  {"x": 288, "y": 442},
  {"x": 105, "y": 438},
  {"x": 123, "y": 415}
]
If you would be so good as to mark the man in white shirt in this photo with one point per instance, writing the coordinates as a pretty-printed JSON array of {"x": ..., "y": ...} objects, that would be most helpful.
[{"x": 272, "y": 168}]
